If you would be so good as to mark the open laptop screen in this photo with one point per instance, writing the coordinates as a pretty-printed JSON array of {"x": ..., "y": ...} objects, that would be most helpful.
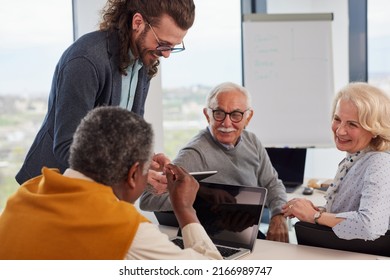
[
  {"x": 230, "y": 214},
  {"x": 290, "y": 165}
]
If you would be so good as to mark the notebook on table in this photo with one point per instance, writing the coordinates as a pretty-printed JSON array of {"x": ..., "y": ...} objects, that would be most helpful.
[
  {"x": 231, "y": 225},
  {"x": 290, "y": 165}
]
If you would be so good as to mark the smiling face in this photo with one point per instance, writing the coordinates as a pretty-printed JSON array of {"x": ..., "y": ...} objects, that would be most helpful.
[
  {"x": 146, "y": 42},
  {"x": 226, "y": 131},
  {"x": 349, "y": 135}
]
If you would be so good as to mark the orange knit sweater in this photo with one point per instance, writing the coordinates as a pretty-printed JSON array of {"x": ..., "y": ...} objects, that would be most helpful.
[{"x": 56, "y": 217}]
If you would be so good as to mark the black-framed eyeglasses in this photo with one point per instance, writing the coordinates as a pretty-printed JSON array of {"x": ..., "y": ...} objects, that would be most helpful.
[
  {"x": 235, "y": 116},
  {"x": 166, "y": 48}
]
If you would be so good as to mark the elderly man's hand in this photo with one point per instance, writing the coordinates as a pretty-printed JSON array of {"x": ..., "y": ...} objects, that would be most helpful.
[
  {"x": 157, "y": 181},
  {"x": 278, "y": 229},
  {"x": 159, "y": 161}
]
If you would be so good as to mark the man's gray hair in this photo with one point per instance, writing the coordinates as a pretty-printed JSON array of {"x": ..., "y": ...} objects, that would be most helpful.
[
  {"x": 108, "y": 141},
  {"x": 224, "y": 87}
]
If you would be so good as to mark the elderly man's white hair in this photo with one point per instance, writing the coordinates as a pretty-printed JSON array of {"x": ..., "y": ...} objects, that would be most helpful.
[{"x": 224, "y": 87}]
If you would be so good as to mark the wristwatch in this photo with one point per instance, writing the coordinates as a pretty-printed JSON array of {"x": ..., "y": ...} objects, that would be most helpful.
[{"x": 317, "y": 215}]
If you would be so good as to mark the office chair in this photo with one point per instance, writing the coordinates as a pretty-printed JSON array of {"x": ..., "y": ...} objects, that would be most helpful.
[{"x": 323, "y": 236}]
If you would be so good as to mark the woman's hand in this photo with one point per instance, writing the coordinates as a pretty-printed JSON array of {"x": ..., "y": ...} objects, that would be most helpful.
[{"x": 300, "y": 208}]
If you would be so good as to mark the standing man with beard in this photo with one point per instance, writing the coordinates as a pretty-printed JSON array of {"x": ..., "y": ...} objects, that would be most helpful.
[{"x": 112, "y": 66}]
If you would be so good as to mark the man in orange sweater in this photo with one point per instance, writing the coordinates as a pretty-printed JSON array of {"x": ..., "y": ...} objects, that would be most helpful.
[{"x": 88, "y": 212}]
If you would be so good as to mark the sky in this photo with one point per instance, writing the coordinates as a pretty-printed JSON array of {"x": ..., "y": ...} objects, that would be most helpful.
[
  {"x": 379, "y": 34},
  {"x": 34, "y": 37},
  {"x": 213, "y": 47},
  {"x": 32, "y": 41}
]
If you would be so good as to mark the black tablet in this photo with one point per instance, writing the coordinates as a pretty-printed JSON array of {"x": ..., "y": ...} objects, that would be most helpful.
[{"x": 199, "y": 176}]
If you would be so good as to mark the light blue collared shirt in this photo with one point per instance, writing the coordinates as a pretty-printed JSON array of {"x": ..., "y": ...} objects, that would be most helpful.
[{"x": 129, "y": 83}]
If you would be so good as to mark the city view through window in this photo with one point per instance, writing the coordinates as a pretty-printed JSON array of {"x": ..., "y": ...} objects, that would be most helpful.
[
  {"x": 30, "y": 50},
  {"x": 36, "y": 34}
]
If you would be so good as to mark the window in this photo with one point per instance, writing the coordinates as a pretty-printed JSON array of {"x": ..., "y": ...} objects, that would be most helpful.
[
  {"x": 212, "y": 56},
  {"x": 378, "y": 44},
  {"x": 32, "y": 40}
]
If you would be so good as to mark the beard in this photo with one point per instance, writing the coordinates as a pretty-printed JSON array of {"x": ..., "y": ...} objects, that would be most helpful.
[{"x": 148, "y": 57}]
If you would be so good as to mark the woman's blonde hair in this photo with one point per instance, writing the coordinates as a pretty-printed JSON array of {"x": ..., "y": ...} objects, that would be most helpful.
[{"x": 373, "y": 111}]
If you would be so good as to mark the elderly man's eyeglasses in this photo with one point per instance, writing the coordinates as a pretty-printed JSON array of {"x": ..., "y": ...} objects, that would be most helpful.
[
  {"x": 235, "y": 116},
  {"x": 166, "y": 48}
]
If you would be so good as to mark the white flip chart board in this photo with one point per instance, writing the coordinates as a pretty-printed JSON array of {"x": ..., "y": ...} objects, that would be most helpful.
[{"x": 288, "y": 69}]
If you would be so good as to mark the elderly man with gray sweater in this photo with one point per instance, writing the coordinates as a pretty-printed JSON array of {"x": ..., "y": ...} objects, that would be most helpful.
[{"x": 237, "y": 155}]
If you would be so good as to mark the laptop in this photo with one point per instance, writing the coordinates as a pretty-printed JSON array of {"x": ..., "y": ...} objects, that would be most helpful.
[
  {"x": 233, "y": 225},
  {"x": 167, "y": 218},
  {"x": 290, "y": 165}
]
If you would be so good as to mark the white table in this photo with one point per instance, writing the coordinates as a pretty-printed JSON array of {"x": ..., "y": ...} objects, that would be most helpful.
[{"x": 272, "y": 250}]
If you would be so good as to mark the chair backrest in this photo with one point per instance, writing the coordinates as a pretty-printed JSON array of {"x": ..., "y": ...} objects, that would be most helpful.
[{"x": 323, "y": 236}]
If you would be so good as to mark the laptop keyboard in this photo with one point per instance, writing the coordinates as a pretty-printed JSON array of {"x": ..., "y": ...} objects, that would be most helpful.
[{"x": 224, "y": 251}]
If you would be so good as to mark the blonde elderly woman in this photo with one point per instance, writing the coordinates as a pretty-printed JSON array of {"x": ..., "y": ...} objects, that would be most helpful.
[{"x": 358, "y": 201}]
